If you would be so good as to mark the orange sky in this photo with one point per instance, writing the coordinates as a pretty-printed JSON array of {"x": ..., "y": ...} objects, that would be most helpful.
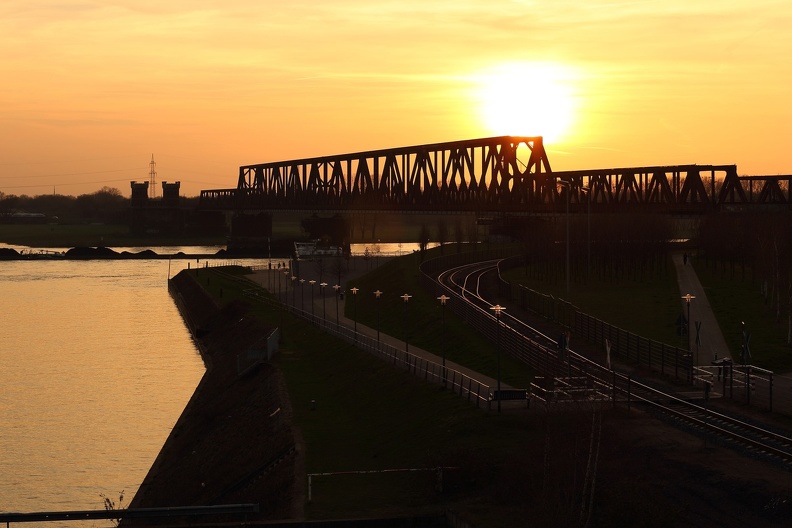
[{"x": 91, "y": 89}]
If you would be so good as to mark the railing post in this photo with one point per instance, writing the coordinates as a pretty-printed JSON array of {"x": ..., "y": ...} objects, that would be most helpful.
[
  {"x": 613, "y": 372},
  {"x": 629, "y": 388},
  {"x": 748, "y": 385}
]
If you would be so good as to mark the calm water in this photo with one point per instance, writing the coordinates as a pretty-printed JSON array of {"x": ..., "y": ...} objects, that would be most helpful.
[{"x": 96, "y": 365}]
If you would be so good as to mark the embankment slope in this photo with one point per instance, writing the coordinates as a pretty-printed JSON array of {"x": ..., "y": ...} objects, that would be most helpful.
[{"x": 234, "y": 442}]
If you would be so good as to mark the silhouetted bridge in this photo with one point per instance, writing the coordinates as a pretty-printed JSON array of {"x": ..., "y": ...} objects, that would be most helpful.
[{"x": 505, "y": 174}]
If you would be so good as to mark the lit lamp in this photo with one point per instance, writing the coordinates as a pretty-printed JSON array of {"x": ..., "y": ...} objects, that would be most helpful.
[
  {"x": 377, "y": 295},
  {"x": 443, "y": 299},
  {"x": 312, "y": 282},
  {"x": 498, "y": 309},
  {"x": 406, "y": 298},
  {"x": 337, "y": 288},
  {"x": 687, "y": 297},
  {"x": 324, "y": 304},
  {"x": 354, "y": 306}
]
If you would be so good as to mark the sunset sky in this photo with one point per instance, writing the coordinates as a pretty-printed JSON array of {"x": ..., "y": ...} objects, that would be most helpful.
[{"x": 89, "y": 90}]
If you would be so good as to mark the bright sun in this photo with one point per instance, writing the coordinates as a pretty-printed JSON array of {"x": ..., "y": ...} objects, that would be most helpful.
[{"x": 528, "y": 99}]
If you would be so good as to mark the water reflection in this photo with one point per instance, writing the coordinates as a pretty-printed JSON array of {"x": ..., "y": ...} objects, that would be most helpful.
[{"x": 97, "y": 367}]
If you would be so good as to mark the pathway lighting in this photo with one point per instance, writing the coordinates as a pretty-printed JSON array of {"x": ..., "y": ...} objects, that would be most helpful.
[
  {"x": 337, "y": 289},
  {"x": 498, "y": 309},
  {"x": 312, "y": 282},
  {"x": 354, "y": 306},
  {"x": 324, "y": 304},
  {"x": 377, "y": 295},
  {"x": 406, "y": 298},
  {"x": 443, "y": 299}
]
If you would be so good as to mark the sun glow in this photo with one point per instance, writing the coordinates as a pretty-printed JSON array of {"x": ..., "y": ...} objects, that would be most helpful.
[{"x": 528, "y": 99}]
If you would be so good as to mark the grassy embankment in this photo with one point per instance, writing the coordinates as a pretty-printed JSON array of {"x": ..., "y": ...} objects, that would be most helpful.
[
  {"x": 651, "y": 307},
  {"x": 371, "y": 416},
  {"x": 737, "y": 298}
]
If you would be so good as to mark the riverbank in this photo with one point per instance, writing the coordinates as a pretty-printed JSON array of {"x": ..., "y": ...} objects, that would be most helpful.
[
  {"x": 234, "y": 442},
  {"x": 106, "y": 253}
]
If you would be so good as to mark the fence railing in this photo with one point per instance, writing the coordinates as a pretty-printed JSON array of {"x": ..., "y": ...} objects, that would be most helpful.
[
  {"x": 627, "y": 346},
  {"x": 129, "y": 513},
  {"x": 467, "y": 387}
]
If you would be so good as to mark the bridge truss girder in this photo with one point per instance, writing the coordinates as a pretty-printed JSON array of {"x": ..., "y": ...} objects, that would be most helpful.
[
  {"x": 500, "y": 174},
  {"x": 488, "y": 173}
]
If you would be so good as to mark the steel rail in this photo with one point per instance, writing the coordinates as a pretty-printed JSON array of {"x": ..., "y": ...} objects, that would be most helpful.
[{"x": 605, "y": 380}]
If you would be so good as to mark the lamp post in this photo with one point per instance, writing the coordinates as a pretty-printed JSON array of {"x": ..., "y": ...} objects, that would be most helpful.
[
  {"x": 302, "y": 294},
  {"x": 324, "y": 304},
  {"x": 565, "y": 184},
  {"x": 443, "y": 299},
  {"x": 337, "y": 288},
  {"x": 587, "y": 190},
  {"x": 377, "y": 295},
  {"x": 312, "y": 282},
  {"x": 406, "y": 298},
  {"x": 688, "y": 298},
  {"x": 286, "y": 287},
  {"x": 354, "y": 307},
  {"x": 294, "y": 291},
  {"x": 498, "y": 309}
]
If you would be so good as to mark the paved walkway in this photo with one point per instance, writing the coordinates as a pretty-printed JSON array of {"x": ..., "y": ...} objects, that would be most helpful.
[
  {"x": 712, "y": 343},
  {"x": 356, "y": 269}
]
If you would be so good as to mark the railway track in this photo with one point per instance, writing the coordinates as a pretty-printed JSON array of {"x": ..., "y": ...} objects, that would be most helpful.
[{"x": 574, "y": 375}]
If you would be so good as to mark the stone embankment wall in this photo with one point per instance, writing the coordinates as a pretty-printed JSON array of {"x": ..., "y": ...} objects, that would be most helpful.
[{"x": 234, "y": 442}]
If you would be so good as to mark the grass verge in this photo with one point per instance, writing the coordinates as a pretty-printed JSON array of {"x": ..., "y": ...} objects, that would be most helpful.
[{"x": 736, "y": 299}]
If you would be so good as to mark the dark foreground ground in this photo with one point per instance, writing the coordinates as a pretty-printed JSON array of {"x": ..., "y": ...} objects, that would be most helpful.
[{"x": 236, "y": 443}]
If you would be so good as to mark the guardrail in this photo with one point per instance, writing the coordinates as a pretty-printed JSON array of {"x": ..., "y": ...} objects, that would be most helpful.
[
  {"x": 129, "y": 513},
  {"x": 458, "y": 382}
]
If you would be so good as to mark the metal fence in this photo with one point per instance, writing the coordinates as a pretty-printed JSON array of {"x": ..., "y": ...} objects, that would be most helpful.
[
  {"x": 627, "y": 346},
  {"x": 465, "y": 386}
]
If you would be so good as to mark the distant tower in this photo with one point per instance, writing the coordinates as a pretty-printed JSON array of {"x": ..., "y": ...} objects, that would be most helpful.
[{"x": 153, "y": 177}]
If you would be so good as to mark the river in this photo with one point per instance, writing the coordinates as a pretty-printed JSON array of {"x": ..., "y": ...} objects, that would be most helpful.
[{"x": 97, "y": 366}]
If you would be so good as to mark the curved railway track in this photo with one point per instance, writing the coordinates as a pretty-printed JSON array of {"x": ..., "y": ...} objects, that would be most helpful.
[{"x": 574, "y": 375}]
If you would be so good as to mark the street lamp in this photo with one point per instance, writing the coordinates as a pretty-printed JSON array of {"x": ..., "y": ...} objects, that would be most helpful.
[
  {"x": 302, "y": 294},
  {"x": 498, "y": 309},
  {"x": 337, "y": 287},
  {"x": 566, "y": 184},
  {"x": 377, "y": 295},
  {"x": 443, "y": 299},
  {"x": 294, "y": 291},
  {"x": 406, "y": 298},
  {"x": 587, "y": 190},
  {"x": 324, "y": 304},
  {"x": 286, "y": 287},
  {"x": 354, "y": 307},
  {"x": 687, "y": 297},
  {"x": 312, "y": 282}
]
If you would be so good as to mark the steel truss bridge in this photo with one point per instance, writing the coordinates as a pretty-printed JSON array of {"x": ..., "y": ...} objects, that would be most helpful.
[{"x": 506, "y": 174}]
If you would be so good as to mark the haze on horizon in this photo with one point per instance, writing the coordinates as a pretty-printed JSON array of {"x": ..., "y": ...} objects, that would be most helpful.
[{"x": 91, "y": 89}]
